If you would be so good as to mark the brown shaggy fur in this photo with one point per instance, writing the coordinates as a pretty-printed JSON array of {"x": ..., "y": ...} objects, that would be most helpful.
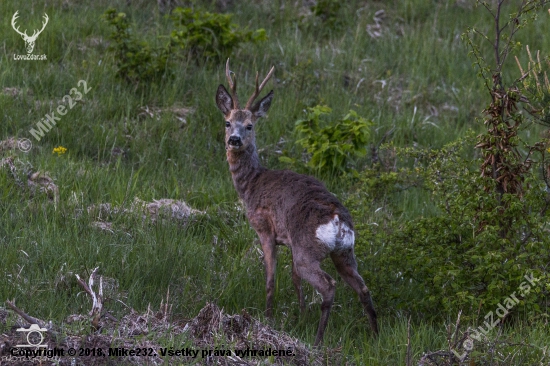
[{"x": 287, "y": 208}]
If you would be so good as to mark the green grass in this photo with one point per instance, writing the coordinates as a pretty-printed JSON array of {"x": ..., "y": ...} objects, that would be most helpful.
[{"x": 415, "y": 78}]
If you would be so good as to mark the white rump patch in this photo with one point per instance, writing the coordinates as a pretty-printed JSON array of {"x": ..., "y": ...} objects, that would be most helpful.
[{"x": 335, "y": 234}]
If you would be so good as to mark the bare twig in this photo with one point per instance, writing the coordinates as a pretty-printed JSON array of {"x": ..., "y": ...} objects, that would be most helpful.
[
  {"x": 27, "y": 317},
  {"x": 97, "y": 299},
  {"x": 32, "y": 320},
  {"x": 408, "y": 359},
  {"x": 457, "y": 326},
  {"x": 376, "y": 148},
  {"x": 488, "y": 8},
  {"x": 110, "y": 316},
  {"x": 166, "y": 307}
]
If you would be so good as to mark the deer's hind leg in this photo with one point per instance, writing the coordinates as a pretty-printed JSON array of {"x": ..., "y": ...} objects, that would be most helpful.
[
  {"x": 308, "y": 267},
  {"x": 297, "y": 281},
  {"x": 346, "y": 265}
]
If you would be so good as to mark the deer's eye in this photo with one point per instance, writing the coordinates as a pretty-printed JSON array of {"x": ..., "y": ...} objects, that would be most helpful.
[
  {"x": 227, "y": 124},
  {"x": 249, "y": 127}
]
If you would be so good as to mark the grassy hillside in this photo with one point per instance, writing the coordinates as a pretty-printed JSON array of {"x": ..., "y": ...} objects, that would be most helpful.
[{"x": 400, "y": 64}]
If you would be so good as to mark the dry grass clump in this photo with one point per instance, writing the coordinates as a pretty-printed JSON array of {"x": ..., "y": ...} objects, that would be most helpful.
[
  {"x": 36, "y": 181},
  {"x": 179, "y": 113},
  {"x": 212, "y": 327},
  {"x": 8, "y": 144},
  {"x": 164, "y": 208},
  {"x": 155, "y": 331}
]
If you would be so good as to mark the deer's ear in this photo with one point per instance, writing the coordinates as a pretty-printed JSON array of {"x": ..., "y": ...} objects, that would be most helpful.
[
  {"x": 260, "y": 108},
  {"x": 224, "y": 100}
]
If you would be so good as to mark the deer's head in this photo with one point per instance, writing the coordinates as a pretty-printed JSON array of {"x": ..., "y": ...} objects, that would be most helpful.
[
  {"x": 239, "y": 123},
  {"x": 29, "y": 40}
]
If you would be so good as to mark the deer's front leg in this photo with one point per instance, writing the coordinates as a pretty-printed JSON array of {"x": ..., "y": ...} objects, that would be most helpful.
[{"x": 270, "y": 262}]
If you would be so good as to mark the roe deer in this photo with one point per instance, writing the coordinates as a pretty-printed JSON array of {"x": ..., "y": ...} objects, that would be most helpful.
[{"x": 291, "y": 209}]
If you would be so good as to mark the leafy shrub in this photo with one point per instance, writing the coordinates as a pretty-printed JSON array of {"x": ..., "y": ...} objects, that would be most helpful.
[
  {"x": 332, "y": 144},
  {"x": 489, "y": 233},
  {"x": 197, "y": 34},
  {"x": 136, "y": 60},
  {"x": 209, "y": 35},
  {"x": 326, "y": 18},
  {"x": 328, "y": 12},
  {"x": 462, "y": 258}
]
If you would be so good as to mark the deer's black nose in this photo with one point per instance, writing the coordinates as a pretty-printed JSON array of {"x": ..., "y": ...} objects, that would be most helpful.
[{"x": 235, "y": 141}]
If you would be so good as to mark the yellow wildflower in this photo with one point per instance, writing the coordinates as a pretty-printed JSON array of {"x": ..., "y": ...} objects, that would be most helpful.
[{"x": 59, "y": 150}]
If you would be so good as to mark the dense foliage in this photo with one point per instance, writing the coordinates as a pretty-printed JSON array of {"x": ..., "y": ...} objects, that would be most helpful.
[
  {"x": 197, "y": 34},
  {"x": 210, "y": 35},
  {"x": 460, "y": 258},
  {"x": 136, "y": 60},
  {"x": 331, "y": 143}
]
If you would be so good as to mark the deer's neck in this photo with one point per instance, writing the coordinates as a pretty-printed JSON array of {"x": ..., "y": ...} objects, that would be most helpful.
[{"x": 244, "y": 167}]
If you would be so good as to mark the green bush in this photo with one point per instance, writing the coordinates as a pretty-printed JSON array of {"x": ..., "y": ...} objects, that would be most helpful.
[
  {"x": 326, "y": 18},
  {"x": 462, "y": 258},
  {"x": 210, "y": 35},
  {"x": 332, "y": 143},
  {"x": 328, "y": 12},
  {"x": 197, "y": 34},
  {"x": 135, "y": 60}
]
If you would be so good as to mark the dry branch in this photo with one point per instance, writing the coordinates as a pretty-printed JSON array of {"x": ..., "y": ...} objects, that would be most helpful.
[
  {"x": 27, "y": 317},
  {"x": 97, "y": 299},
  {"x": 31, "y": 319},
  {"x": 408, "y": 358}
]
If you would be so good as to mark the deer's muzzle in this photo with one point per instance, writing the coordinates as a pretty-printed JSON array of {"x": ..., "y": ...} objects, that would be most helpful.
[{"x": 234, "y": 141}]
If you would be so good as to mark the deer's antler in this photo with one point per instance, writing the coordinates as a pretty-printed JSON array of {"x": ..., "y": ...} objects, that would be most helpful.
[
  {"x": 232, "y": 85},
  {"x": 13, "y": 19},
  {"x": 35, "y": 34},
  {"x": 24, "y": 34},
  {"x": 259, "y": 88}
]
